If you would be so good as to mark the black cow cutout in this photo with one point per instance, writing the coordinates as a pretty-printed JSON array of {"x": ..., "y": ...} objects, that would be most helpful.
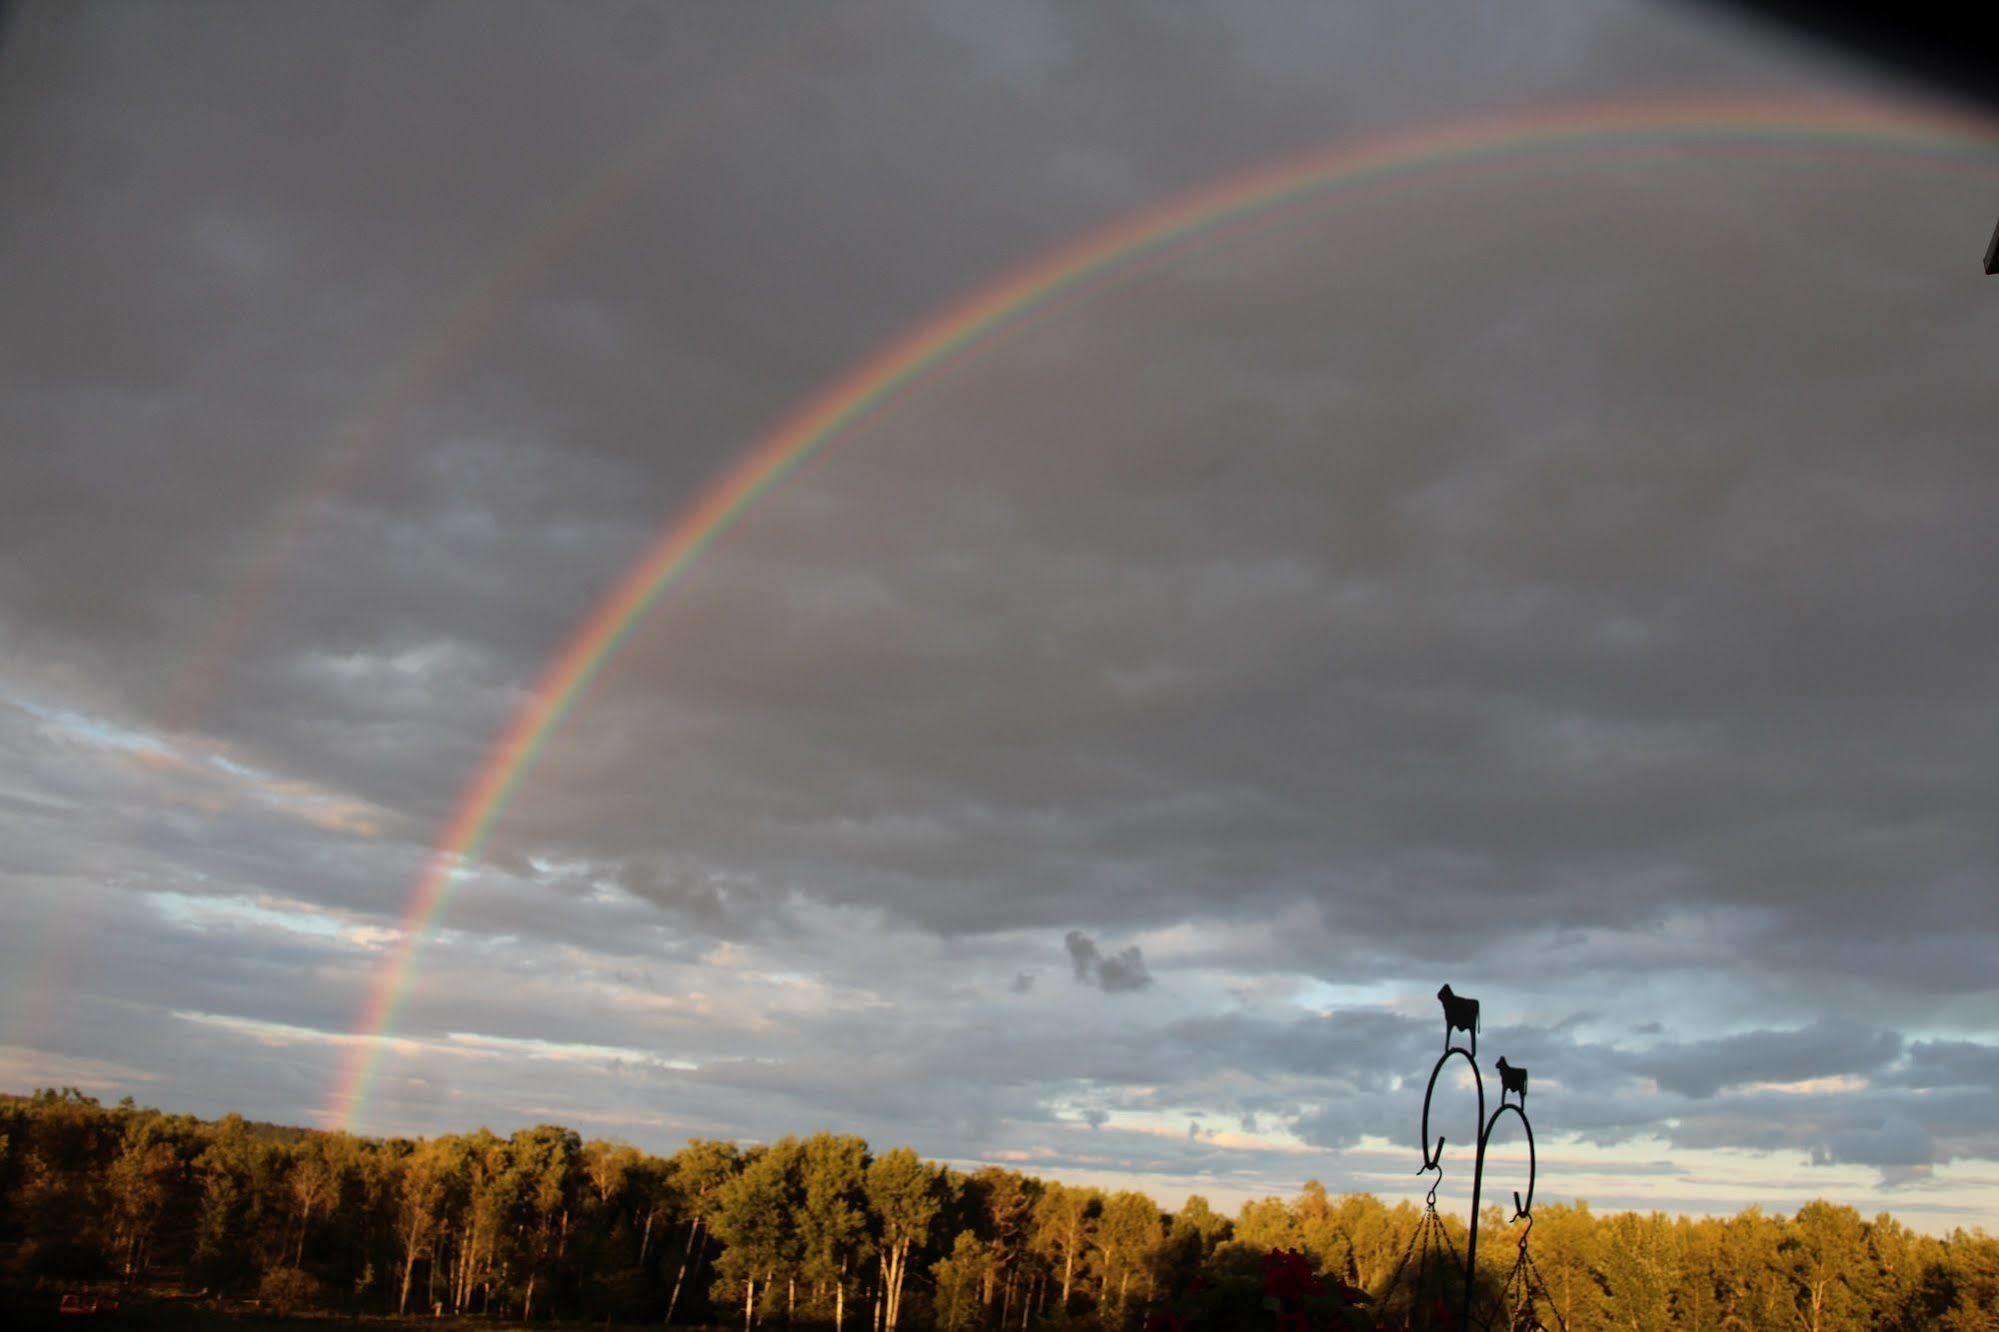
[{"x": 1460, "y": 1014}]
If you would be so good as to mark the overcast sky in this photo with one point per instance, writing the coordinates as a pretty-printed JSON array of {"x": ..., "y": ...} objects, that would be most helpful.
[{"x": 1569, "y": 577}]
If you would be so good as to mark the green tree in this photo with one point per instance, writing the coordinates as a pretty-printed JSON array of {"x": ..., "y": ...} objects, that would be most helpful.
[
  {"x": 142, "y": 1182},
  {"x": 543, "y": 1163},
  {"x": 1265, "y": 1224},
  {"x": 698, "y": 1172},
  {"x": 1565, "y": 1251},
  {"x": 833, "y": 1227},
  {"x": 1829, "y": 1264},
  {"x": 905, "y": 1194},
  {"x": 1896, "y": 1256},
  {"x": 1635, "y": 1264},
  {"x": 1064, "y": 1221},
  {"x": 1751, "y": 1287},
  {"x": 1130, "y": 1235},
  {"x": 753, "y": 1221},
  {"x": 959, "y": 1277},
  {"x": 485, "y": 1204},
  {"x": 423, "y": 1192},
  {"x": 240, "y": 1221},
  {"x": 1374, "y": 1237},
  {"x": 318, "y": 1168},
  {"x": 1002, "y": 1206}
]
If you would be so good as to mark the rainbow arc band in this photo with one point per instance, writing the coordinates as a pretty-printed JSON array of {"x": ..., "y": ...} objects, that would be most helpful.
[{"x": 1034, "y": 287}]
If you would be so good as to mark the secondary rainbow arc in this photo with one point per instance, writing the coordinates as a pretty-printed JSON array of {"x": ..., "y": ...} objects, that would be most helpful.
[{"x": 1035, "y": 286}]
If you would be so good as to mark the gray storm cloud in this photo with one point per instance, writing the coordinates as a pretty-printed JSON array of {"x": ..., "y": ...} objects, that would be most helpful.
[{"x": 1566, "y": 575}]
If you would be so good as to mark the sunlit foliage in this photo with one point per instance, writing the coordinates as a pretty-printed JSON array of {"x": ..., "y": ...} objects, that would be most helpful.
[{"x": 821, "y": 1231}]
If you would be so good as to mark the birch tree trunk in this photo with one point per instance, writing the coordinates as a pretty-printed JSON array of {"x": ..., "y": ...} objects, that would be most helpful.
[
  {"x": 686, "y": 1250},
  {"x": 409, "y": 1267}
]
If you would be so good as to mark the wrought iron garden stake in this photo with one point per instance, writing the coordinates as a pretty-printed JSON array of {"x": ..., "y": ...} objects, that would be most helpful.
[{"x": 1461, "y": 1014}]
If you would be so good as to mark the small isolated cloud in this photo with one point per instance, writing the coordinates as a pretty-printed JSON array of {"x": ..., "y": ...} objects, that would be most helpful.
[
  {"x": 1082, "y": 954},
  {"x": 1023, "y": 981},
  {"x": 1122, "y": 971},
  {"x": 1119, "y": 973}
]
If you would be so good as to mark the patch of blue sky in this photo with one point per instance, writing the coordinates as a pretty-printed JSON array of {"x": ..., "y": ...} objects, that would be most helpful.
[
  {"x": 195, "y": 912},
  {"x": 94, "y": 729}
]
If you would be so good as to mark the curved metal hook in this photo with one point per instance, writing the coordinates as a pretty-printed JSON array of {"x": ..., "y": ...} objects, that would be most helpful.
[
  {"x": 1520, "y": 1208},
  {"x": 1432, "y": 1160}
]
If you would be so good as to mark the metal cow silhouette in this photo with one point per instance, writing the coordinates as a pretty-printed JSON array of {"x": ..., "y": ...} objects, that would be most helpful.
[
  {"x": 1460, "y": 1014},
  {"x": 1511, "y": 1079}
]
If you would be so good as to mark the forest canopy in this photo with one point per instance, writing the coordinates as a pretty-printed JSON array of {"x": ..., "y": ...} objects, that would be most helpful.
[{"x": 822, "y": 1230}]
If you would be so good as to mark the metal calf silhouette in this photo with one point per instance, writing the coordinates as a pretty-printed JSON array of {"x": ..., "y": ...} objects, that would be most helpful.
[{"x": 1461, "y": 1014}]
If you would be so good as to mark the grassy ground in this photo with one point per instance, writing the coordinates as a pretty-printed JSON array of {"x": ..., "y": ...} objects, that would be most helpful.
[{"x": 31, "y": 1311}]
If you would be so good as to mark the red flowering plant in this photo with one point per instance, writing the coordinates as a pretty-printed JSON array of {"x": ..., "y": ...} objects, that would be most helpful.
[{"x": 1285, "y": 1296}]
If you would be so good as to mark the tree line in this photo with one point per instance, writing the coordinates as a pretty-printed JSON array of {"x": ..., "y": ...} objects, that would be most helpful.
[{"x": 823, "y": 1232}]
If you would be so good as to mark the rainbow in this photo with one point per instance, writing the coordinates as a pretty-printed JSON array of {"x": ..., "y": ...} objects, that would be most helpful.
[
  {"x": 1035, "y": 287},
  {"x": 440, "y": 350}
]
